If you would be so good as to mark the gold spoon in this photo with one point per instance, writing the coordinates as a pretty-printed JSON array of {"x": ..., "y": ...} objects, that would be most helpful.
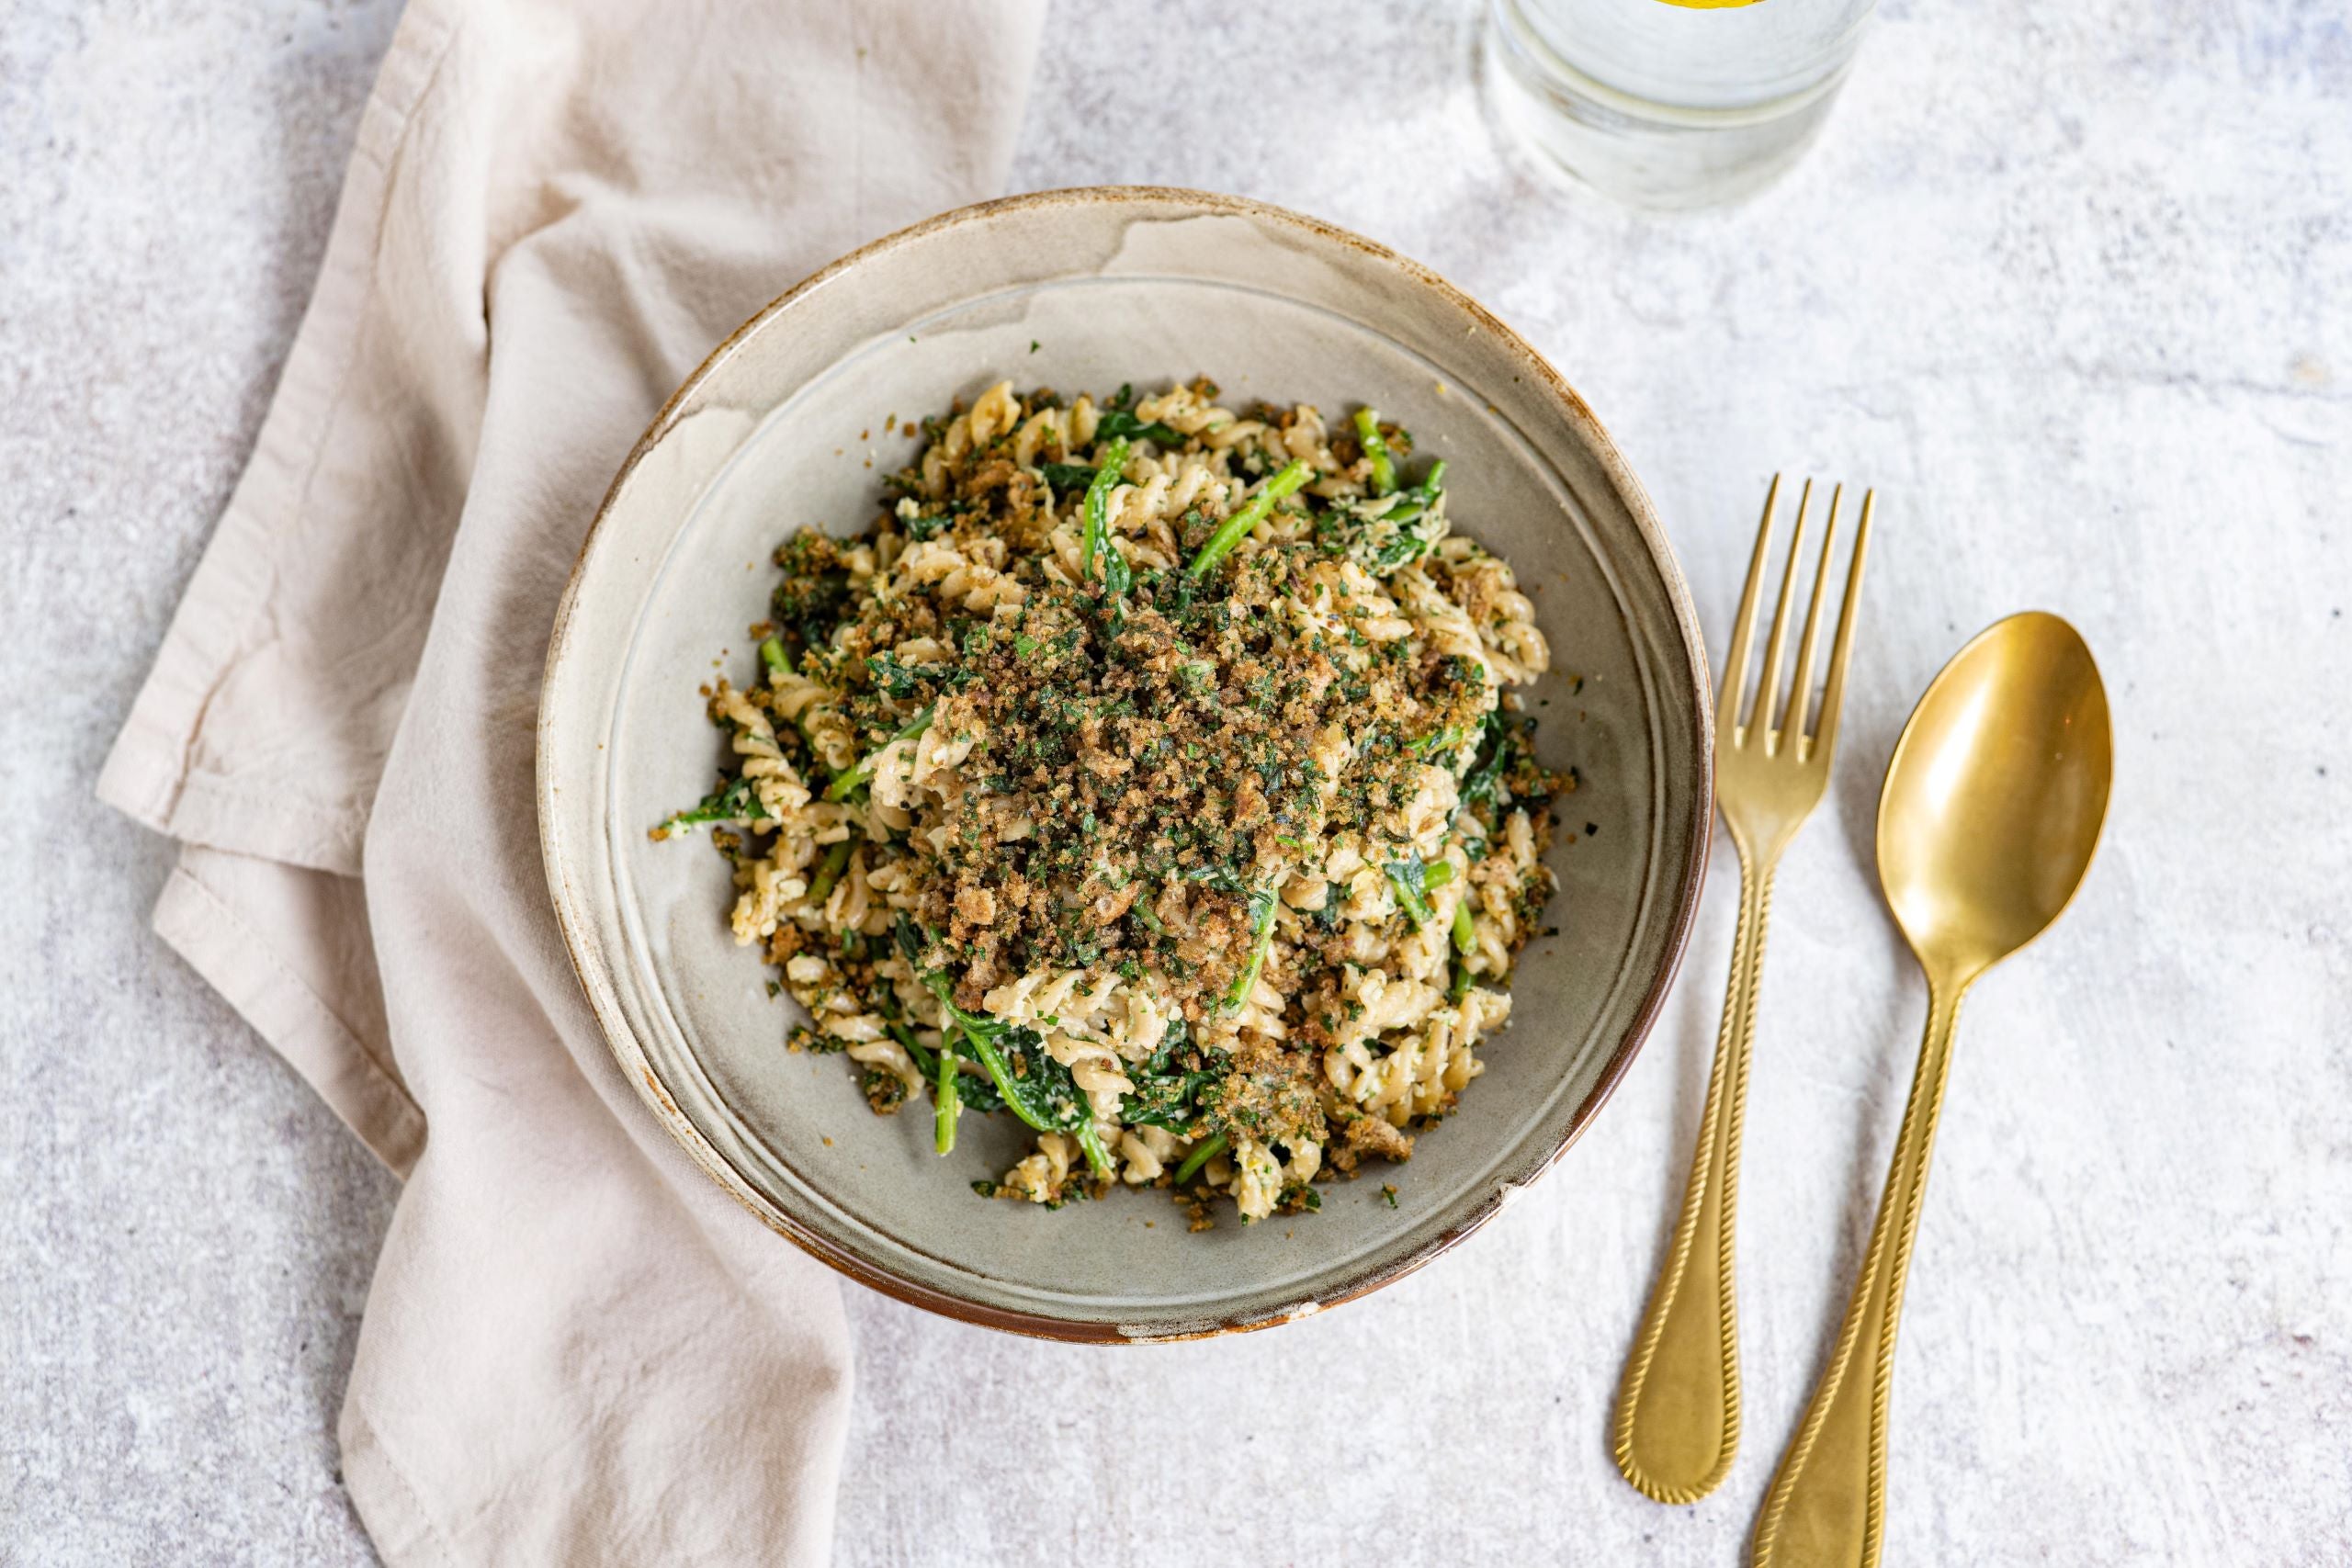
[{"x": 1991, "y": 811}]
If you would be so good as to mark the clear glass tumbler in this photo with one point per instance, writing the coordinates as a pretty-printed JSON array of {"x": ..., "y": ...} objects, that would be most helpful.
[{"x": 1671, "y": 103}]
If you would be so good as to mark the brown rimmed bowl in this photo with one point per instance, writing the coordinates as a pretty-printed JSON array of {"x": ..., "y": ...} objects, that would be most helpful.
[{"x": 794, "y": 420}]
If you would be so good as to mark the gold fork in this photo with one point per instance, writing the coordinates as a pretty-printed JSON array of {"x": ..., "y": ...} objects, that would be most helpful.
[{"x": 1677, "y": 1410}]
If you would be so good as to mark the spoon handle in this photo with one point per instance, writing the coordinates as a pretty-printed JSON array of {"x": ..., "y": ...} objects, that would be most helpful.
[
  {"x": 1827, "y": 1504},
  {"x": 1678, "y": 1409}
]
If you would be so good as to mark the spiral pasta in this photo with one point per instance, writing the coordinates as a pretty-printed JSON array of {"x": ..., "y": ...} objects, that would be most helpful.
[{"x": 1151, "y": 771}]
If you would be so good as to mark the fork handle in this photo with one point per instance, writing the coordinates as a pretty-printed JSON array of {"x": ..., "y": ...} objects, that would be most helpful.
[
  {"x": 1677, "y": 1409},
  {"x": 1826, "y": 1508}
]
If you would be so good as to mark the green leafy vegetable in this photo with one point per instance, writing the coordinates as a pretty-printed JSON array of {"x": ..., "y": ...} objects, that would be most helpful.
[
  {"x": 1168, "y": 1093},
  {"x": 1236, "y": 528},
  {"x": 1488, "y": 765},
  {"x": 1063, "y": 477},
  {"x": 1098, "y": 514},
  {"x": 1437, "y": 743},
  {"x": 1262, "y": 934},
  {"x": 863, "y": 770},
  {"x": 1117, "y": 422},
  {"x": 894, "y": 675},
  {"x": 738, "y": 801},
  {"x": 1037, "y": 1088},
  {"x": 1388, "y": 530},
  {"x": 1410, "y": 878}
]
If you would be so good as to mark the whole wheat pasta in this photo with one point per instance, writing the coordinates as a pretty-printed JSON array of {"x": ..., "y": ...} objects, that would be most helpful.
[{"x": 1152, "y": 771}]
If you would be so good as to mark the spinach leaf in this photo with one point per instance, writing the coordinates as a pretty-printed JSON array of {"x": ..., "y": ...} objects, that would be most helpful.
[
  {"x": 1036, "y": 1088},
  {"x": 1119, "y": 422},
  {"x": 1261, "y": 932},
  {"x": 1492, "y": 760},
  {"x": 1410, "y": 877},
  {"x": 893, "y": 674},
  {"x": 1173, "y": 1083}
]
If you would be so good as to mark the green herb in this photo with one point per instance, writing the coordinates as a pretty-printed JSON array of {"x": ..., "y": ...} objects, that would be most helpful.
[
  {"x": 1064, "y": 477},
  {"x": 1214, "y": 876},
  {"x": 1200, "y": 1156},
  {"x": 845, "y": 783},
  {"x": 1236, "y": 528},
  {"x": 1388, "y": 1195},
  {"x": 1384, "y": 467}
]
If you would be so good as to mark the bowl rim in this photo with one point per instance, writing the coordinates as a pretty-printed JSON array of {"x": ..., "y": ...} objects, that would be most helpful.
[{"x": 1695, "y": 689}]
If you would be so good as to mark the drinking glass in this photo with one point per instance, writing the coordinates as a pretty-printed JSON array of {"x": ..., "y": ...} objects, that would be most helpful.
[{"x": 1671, "y": 103}]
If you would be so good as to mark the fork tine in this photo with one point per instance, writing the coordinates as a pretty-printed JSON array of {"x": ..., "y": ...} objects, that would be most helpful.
[
  {"x": 1801, "y": 684},
  {"x": 1768, "y": 692},
  {"x": 1836, "y": 692},
  {"x": 1743, "y": 632}
]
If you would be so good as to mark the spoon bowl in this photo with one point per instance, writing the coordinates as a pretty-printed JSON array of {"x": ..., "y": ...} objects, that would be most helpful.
[
  {"x": 1991, "y": 809},
  {"x": 1995, "y": 795}
]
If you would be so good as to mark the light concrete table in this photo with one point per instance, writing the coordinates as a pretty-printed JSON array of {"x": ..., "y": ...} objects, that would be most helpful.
[{"x": 2071, "y": 285}]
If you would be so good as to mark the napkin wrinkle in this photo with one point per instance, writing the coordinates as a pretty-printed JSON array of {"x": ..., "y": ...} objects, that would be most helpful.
[{"x": 576, "y": 1347}]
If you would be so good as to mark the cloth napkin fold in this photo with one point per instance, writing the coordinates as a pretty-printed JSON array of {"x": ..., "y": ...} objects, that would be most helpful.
[{"x": 576, "y": 1348}]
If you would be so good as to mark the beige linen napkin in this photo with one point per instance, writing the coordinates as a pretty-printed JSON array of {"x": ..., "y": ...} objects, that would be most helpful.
[{"x": 576, "y": 1349}]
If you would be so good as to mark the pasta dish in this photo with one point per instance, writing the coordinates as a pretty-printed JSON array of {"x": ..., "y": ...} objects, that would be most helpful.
[{"x": 1151, "y": 772}]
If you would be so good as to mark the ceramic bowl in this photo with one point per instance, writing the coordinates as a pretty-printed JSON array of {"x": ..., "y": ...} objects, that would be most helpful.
[{"x": 795, "y": 420}]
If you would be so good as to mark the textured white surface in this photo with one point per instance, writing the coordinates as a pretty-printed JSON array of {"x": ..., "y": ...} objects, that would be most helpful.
[{"x": 2071, "y": 285}]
